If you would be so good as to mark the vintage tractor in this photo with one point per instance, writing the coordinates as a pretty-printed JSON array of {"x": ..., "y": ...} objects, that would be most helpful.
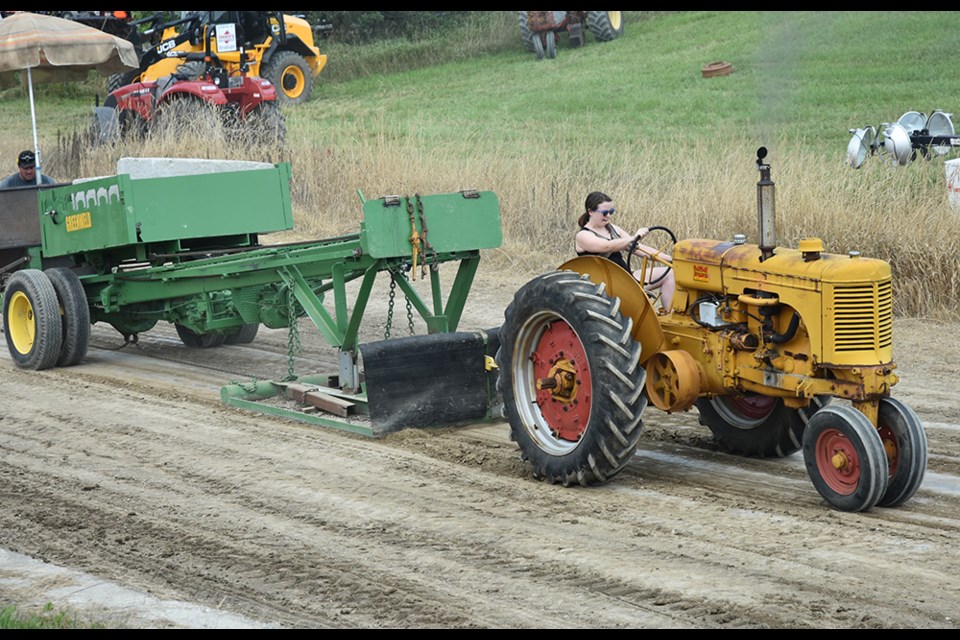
[
  {"x": 758, "y": 338},
  {"x": 139, "y": 247},
  {"x": 539, "y": 30}
]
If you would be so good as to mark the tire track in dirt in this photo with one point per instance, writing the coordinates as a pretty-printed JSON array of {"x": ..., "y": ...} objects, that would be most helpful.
[{"x": 129, "y": 468}]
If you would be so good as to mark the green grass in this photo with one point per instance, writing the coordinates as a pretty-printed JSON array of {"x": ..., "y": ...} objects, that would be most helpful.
[
  {"x": 48, "y": 618},
  {"x": 472, "y": 108}
]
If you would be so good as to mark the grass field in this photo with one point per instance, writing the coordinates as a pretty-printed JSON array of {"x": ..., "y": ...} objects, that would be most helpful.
[{"x": 472, "y": 108}]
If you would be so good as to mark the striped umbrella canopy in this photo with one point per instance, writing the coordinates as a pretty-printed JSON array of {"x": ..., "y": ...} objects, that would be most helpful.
[{"x": 42, "y": 48}]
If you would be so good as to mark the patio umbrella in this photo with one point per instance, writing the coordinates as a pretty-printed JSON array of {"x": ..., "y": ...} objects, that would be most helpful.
[{"x": 52, "y": 49}]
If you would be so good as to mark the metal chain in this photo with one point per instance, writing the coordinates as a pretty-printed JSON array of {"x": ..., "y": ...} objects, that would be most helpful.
[
  {"x": 393, "y": 293},
  {"x": 293, "y": 335},
  {"x": 427, "y": 249},
  {"x": 410, "y": 316},
  {"x": 390, "y": 304}
]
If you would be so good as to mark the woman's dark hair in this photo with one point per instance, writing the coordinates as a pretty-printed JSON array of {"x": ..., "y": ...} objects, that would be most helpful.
[{"x": 591, "y": 203}]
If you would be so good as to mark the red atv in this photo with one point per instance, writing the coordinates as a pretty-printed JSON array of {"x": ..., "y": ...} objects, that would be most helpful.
[{"x": 200, "y": 99}]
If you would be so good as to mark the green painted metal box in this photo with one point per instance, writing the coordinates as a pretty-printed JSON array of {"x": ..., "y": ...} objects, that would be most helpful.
[
  {"x": 117, "y": 211},
  {"x": 462, "y": 221}
]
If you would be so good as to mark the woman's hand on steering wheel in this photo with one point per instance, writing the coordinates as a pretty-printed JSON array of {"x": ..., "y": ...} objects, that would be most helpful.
[{"x": 666, "y": 247}]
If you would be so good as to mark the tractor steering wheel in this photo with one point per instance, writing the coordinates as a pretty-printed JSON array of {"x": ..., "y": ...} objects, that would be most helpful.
[{"x": 663, "y": 247}]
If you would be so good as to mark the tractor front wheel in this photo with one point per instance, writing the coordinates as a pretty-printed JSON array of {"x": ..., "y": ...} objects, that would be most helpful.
[
  {"x": 905, "y": 443},
  {"x": 845, "y": 458},
  {"x": 550, "y": 49},
  {"x": 291, "y": 74},
  {"x": 570, "y": 379}
]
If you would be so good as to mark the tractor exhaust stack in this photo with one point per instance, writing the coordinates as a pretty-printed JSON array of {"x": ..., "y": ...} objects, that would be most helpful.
[{"x": 766, "y": 207}]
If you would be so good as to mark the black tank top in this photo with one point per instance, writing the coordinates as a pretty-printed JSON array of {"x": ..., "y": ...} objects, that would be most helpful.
[{"x": 616, "y": 257}]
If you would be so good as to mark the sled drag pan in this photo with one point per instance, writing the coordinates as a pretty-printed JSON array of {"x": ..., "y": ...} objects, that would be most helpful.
[{"x": 435, "y": 380}]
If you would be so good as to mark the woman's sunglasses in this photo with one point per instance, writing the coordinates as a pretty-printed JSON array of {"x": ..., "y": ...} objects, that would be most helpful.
[{"x": 606, "y": 212}]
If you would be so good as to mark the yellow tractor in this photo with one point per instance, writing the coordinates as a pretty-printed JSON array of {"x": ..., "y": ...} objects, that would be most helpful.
[
  {"x": 270, "y": 45},
  {"x": 779, "y": 350}
]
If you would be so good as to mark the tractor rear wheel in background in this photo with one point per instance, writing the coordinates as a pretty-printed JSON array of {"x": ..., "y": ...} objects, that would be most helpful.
[
  {"x": 291, "y": 74},
  {"x": 75, "y": 315},
  {"x": 244, "y": 335},
  {"x": 845, "y": 458},
  {"x": 570, "y": 379},
  {"x": 117, "y": 80},
  {"x": 526, "y": 33},
  {"x": 31, "y": 320},
  {"x": 605, "y": 25},
  {"x": 199, "y": 340},
  {"x": 905, "y": 443},
  {"x": 756, "y": 425}
]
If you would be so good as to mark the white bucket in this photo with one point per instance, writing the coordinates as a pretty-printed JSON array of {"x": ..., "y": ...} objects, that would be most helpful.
[{"x": 953, "y": 183}]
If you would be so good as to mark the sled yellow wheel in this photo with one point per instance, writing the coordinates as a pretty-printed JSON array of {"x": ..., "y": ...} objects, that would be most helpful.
[{"x": 31, "y": 316}]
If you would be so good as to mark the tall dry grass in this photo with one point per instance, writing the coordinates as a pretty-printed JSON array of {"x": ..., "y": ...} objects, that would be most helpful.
[{"x": 698, "y": 190}]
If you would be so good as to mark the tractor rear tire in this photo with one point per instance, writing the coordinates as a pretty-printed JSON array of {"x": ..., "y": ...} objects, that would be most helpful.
[
  {"x": 526, "y": 33},
  {"x": 291, "y": 74},
  {"x": 31, "y": 320},
  {"x": 605, "y": 25},
  {"x": 243, "y": 335},
  {"x": 589, "y": 433},
  {"x": 199, "y": 340},
  {"x": 757, "y": 426},
  {"x": 75, "y": 313}
]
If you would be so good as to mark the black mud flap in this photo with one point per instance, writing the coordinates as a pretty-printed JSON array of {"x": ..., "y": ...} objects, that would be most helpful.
[{"x": 440, "y": 379}]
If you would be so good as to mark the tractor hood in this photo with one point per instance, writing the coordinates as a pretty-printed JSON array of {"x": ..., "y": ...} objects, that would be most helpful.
[{"x": 731, "y": 268}]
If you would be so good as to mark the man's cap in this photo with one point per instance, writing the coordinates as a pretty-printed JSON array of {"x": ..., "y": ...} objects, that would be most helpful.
[{"x": 27, "y": 159}]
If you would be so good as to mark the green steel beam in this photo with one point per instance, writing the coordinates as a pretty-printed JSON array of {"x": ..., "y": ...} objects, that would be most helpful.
[{"x": 311, "y": 304}]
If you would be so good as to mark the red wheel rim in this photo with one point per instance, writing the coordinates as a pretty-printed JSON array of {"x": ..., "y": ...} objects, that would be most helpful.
[
  {"x": 753, "y": 407},
  {"x": 567, "y": 419},
  {"x": 838, "y": 462},
  {"x": 889, "y": 440}
]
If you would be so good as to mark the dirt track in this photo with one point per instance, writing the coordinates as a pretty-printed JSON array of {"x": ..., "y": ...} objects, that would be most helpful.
[{"x": 129, "y": 468}]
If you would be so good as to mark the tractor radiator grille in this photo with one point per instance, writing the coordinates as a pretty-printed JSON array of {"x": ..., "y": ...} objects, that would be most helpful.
[{"x": 863, "y": 316}]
